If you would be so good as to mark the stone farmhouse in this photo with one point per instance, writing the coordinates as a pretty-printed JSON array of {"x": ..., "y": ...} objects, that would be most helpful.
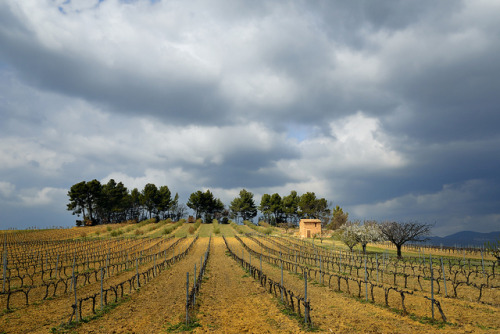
[{"x": 309, "y": 227}]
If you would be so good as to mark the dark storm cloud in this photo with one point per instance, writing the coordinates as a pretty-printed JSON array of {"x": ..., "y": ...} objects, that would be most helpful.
[
  {"x": 127, "y": 92},
  {"x": 388, "y": 108}
]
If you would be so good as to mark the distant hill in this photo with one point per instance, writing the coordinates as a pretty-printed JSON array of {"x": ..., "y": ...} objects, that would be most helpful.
[{"x": 464, "y": 239}]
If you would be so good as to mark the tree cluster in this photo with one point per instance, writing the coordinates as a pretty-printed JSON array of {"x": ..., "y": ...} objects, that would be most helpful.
[
  {"x": 243, "y": 206},
  {"x": 112, "y": 202},
  {"x": 204, "y": 203},
  {"x": 291, "y": 208}
]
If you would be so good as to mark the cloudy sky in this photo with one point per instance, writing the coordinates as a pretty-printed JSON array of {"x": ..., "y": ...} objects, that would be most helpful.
[{"x": 390, "y": 109}]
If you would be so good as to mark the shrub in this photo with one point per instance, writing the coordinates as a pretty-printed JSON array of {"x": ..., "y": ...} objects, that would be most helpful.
[
  {"x": 108, "y": 228},
  {"x": 191, "y": 229},
  {"x": 217, "y": 230},
  {"x": 116, "y": 233},
  {"x": 166, "y": 230},
  {"x": 268, "y": 230},
  {"x": 197, "y": 224},
  {"x": 264, "y": 224}
]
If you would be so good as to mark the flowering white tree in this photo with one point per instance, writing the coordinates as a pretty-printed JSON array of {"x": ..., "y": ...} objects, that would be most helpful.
[
  {"x": 369, "y": 232},
  {"x": 353, "y": 233},
  {"x": 349, "y": 234}
]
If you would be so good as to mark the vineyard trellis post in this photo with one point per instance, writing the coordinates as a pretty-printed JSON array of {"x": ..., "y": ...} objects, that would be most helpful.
[
  {"x": 306, "y": 309},
  {"x": 376, "y": 259},
  {"x": 340, "y": 260},
  {"x": 320, "y": 270},
  {"x": 366, "y": 281},
  {"x": 4, "y": 269},
  {"x": 187, "y": 298},
  {"x": 432, "y": 286},
  {"x": 281, "y": 278},
  {"x": 444, "y": 278},
  {"x": 57, "y": 263},
  {"x": 137, "y": 271},
  {"x": 74, "y": 288},
  {"x": 102, "y": 277},
  {"x": 482, "y": 261},
  {"x": 194, "y": 290}
]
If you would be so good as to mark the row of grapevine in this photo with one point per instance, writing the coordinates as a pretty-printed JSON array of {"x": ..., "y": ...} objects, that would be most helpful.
[
  {"x": 378, "y": 292},
  {"x": 478, "y": 280},
  {"x": 291, "y": 299},
  {"x": 79, "y": 276},
  {"x": 87, "y": 305}
]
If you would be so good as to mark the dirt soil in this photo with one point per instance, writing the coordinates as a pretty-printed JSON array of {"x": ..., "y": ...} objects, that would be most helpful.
[
  {"x": 40, "y": 317},
  {"x": 230, "y": 301},
  {"x": 340, "y": 313},
  {"x": 233, "y": 302},
  {"x": 156, "y": 306}
]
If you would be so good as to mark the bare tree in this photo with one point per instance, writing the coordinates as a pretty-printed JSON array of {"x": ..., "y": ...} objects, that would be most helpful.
[{"x": 401, "y": 233}]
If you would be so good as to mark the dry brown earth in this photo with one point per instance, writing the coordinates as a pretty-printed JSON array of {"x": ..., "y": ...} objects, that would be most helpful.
[
  {"x": 230, "y": 301},
  {"x": 233, "y": 302}
]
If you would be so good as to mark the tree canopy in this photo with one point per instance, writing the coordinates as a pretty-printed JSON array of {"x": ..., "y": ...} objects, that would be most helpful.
[
  {"x": 401, "y": 233},
  {"x": 205, "y": 203},
  {"x": 113, "y": 203},
  {"x": 339, "y": 218},
  {"x": 244, "y": 206}
]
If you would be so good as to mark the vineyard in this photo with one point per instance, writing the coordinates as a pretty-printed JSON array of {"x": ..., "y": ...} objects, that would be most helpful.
[{"x": 170, "y": 277}]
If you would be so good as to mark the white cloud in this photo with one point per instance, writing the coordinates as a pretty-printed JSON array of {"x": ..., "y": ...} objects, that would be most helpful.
[
  {"x": 260, "y": 89},
  {"x": 357, "y": 143},
  {"x": 47, "y": 196},
  {"x": 25, "y": 152},
  {"x": 6, "y": 188}
]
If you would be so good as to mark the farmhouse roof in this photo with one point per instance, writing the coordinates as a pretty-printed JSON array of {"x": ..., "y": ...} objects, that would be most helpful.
[{"x": 310, "y": 220}]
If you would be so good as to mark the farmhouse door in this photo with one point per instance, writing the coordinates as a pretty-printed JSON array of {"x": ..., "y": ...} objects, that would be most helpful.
[{"x": 308, "y": 233}]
